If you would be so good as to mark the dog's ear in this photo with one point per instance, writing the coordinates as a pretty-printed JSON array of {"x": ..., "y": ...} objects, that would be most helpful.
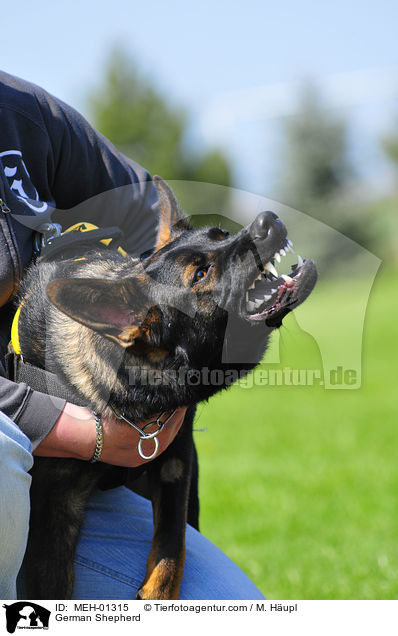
[
  {"x": 116, "y": 309},
  {"x": 172, "y": 219}
]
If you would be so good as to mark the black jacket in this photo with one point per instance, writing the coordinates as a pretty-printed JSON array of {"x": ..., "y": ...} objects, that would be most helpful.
[{"x": 54, "y": 165}]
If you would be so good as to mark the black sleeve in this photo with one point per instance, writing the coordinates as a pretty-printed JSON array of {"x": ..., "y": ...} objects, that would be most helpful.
[
  {"x": 35, "y": 413},
  {"x": 93, "y": 181},
  {"x": 82, "y": 174}
]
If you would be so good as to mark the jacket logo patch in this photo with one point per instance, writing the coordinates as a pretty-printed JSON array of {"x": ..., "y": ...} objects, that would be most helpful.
[{"x": 19, "y": 180}]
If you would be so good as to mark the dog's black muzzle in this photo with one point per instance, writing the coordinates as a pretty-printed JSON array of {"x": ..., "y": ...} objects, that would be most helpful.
[{"x": 259, "y": 292}]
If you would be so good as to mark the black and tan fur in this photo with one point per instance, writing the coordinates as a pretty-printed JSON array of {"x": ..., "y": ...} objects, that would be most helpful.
[{"x": 91, "y": 320}]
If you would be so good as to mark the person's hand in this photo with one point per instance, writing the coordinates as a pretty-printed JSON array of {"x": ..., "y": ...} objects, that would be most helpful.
[{"x": 74, "y": 435}]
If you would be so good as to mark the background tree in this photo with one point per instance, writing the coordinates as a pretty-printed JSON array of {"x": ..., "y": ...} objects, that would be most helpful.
[
  {"x": 384, "y": 212},
  {"x": 133, "y": 113},
  {"x": 316, "y": 175},
  {"x": 314, "y": 159},
  {"x": 390, "y": 145}
]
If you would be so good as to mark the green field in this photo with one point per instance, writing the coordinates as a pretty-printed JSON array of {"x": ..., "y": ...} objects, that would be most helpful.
[{"x": 299, "y": 485}]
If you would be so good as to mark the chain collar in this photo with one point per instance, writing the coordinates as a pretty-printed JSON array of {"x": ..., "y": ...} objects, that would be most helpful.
[{"x": 142, "y": 431}]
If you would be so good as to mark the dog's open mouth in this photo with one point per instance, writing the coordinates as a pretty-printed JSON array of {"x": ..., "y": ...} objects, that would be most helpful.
[{"x": 271, "y": 295}]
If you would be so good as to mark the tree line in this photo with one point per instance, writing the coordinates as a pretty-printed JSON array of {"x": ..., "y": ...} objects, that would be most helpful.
[{"x": 315, "y": 176}]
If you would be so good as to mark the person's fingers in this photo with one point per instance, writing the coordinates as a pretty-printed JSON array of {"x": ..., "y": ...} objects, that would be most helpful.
[{"x": 121, "y": 442}]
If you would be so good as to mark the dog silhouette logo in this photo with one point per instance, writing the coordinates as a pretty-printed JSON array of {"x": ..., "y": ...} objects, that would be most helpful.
[
  {"x": 26, "y": 615},
  {"x": 19, "y": 180}
]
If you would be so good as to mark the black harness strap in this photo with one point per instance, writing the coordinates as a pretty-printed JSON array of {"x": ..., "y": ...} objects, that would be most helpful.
[
  {"x": 17, "y": 369},
  {"x": 72, "y": 240},
  {"x": 38, "y": 379}
]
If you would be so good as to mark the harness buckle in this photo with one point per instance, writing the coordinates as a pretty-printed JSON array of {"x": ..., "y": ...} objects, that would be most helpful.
[{"x": 45, "y": 234}]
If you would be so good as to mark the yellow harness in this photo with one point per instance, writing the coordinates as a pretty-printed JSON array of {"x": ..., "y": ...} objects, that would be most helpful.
[
  {"x": 77, "y": 227},
  {"x": 15, "y": 333}
]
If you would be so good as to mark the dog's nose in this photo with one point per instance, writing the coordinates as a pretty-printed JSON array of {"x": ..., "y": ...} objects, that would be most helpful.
[{"x": 262, "y": 224}]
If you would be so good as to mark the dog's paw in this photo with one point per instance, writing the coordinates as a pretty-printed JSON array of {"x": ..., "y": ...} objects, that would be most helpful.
[
  {"x": 146, "y": 593},
  {"x": 162, "y": 584},
  {"x": 153, "y": 592}
]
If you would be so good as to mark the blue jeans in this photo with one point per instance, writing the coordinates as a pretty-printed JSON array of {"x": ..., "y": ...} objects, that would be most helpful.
[
  {"x": 114, "y": 542},
  {"x": 15, "y": 461}
]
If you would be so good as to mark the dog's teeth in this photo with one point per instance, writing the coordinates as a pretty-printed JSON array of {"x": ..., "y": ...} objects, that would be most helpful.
[
  {"x": 289, "y": 247},
  {"x": 258, "y": 302},
  {"x": 273, "y": 291},
  {"x": 286, "y": 278},
  {"x": 266, "y": 297},
  {"x": 270, "y": 268},
  {"x": 278, "y": 258},
  {"x": 289, "y": 242},
  {"x": 250, "y": 306},
  {"x": 282, "y": 252},
  {"x": 299, "y": 260}
]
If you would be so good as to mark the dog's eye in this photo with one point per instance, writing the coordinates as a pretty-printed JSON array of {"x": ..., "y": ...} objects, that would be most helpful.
[{"x": 200, "y": 274}]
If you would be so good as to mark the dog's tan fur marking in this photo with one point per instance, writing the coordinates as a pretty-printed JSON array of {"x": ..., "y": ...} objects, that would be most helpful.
[
  {"x": 163, "y": 578},
  {"x": 127, "y": 335},
  {"x": 156, "y": 355},
  {"x": 172, "y": 470},
  {"x": 189, "y": 272},
  {"x": 169, "y": 212}
]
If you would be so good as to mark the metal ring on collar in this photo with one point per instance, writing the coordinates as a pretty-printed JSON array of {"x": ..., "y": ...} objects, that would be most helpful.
[
  {"x": 143, "y": 435},
  {"x": 160, "y": 425},
  {"x": 141, "y": 452},
  {"x": 154, "y": 436}
]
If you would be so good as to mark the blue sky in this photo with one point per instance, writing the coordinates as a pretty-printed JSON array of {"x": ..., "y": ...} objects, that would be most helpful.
[{"x": 235, "y": 65}]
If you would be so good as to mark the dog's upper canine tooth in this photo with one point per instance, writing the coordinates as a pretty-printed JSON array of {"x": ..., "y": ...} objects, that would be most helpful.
[
  {"x": 250, "y": 306},
  {"x": 287, "y": 278},
  {"x": 299, "y": 260},
  {"x": 270, "y": 268}
]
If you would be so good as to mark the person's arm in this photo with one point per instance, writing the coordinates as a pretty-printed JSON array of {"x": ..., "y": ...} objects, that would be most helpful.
[
  {"x": 69, "y": 163},
  {"x": 74, "y": 435},
  {"x": 35, "y": 413},
  {"x": 59, "y": 429},
  {"x": 95, "y": 182}
]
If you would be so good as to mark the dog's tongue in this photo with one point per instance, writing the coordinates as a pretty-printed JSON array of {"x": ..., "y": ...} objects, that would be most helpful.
[{"x": 267, "y": 292}]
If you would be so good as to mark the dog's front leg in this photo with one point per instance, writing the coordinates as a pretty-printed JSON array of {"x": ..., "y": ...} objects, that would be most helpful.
[
  {"x": 169, "y": 483},
  {"x": 59, "y": 491}
]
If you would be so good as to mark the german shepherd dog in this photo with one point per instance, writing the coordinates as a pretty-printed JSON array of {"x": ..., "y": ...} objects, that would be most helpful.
[{"x": 202, "y": 299}]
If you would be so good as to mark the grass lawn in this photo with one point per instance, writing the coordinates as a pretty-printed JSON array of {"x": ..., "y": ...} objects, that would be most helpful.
[{"x": 299, "y": 485}]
